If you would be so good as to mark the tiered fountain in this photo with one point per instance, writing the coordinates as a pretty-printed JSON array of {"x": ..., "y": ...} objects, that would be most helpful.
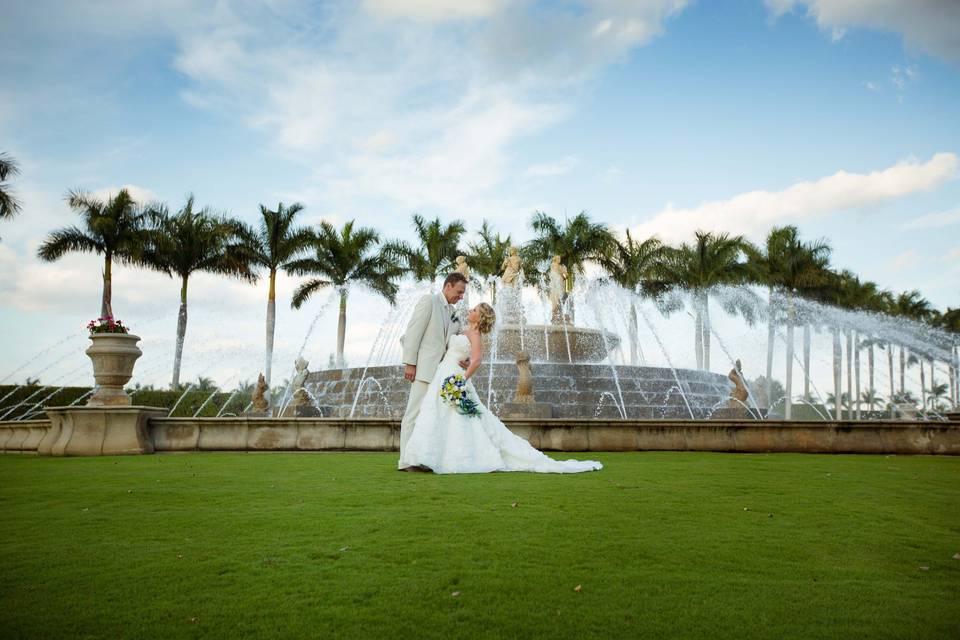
[{"x": 573, "y": 366}]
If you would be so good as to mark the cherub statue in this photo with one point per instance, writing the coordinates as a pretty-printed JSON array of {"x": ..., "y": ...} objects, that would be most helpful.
[
  {"x": 463, "y": 267},
  {"x": 260, "y": 403},
  {"x": 739, "y": 393},
  {"x": 512, "y": 265},
  {"x": 300, "y": 376},
  {"x": 524, "y": 392}
]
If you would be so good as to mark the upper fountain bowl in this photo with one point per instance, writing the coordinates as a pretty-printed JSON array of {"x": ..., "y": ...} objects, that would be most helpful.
[{"x": 559, "y": 343}]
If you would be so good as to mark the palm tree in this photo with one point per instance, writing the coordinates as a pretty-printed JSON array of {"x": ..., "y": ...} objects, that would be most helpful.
[
  {"x": 486, "y": 256},
  {"x": 793, "y": 268},
  {"x": 911, "y": 305},
  {"x": 871, "y": 399},
  {"x": 191, "y": 241},
  {"x": 635, "y": 266},
  {"x": 847, "y": 291},
  {"x": 115, "y": 229},
  {"x": 949, "y": 321},
  {"x": 275, "y": 243},
  {"x": 205, "y": 385},
  {"x": 576, "y": 241},
  {"x": 936, "y": 394},
  {"x": 436, "y": 253},
  {"x": 9, "y": 204},
  {"x": 712, "y": 259},
  {"x": 832, "y": 402},
  {"x": 341, "y": 259}
]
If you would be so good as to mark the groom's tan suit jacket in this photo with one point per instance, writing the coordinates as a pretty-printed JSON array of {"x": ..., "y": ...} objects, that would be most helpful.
[{"x": 425, "y": 340}]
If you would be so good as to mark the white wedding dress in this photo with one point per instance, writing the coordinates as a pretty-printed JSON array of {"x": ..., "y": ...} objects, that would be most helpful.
[{"x": 447, "y": 441}]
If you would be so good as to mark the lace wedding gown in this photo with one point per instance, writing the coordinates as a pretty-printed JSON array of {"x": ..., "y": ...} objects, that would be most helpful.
[{"x": 446, "y": 441}]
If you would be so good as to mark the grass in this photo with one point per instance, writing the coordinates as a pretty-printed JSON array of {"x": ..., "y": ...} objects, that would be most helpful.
[{"x": 341, "y": 545}]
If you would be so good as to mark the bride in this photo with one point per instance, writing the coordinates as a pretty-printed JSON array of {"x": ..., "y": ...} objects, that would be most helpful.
[{"x": 456, "y": 433}]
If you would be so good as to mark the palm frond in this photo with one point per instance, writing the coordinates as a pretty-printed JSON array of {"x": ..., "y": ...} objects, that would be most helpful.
[{"x": 303, "y": 292}]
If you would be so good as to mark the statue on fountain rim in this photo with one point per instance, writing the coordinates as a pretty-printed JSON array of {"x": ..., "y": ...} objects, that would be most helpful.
[
  {"x": 462, "y": 267},
  {"x": 259, "y": 404},
  {"x": 739, "y": 393},
  {"x": 558, "y": 289},
  {"x": 512, "y": 266}
]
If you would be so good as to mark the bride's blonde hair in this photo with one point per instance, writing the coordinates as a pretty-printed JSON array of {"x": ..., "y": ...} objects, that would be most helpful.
[{"x": 488, "y": 317}]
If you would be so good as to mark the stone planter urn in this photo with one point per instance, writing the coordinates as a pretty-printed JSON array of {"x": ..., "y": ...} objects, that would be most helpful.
[{"x": 113, "y": 356}]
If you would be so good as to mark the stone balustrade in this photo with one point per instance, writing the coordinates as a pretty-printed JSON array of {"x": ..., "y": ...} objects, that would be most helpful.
[{"x": 376, "y": 434}]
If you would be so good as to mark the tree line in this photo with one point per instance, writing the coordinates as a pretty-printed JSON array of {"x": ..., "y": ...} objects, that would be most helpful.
[{"x": 193, "y": 239}]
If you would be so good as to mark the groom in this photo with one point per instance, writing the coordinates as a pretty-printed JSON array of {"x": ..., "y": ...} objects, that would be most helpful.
[{"x": 425, "y": 342}]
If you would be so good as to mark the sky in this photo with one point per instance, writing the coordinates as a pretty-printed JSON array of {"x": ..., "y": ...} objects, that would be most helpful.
[{"x": 659, "y": 116}]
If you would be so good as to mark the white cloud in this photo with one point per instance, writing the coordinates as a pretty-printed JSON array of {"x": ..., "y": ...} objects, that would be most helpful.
[
  {"x": 952, "y": 257},
  {"x": 411, "y": 108},
  {"x": 932, "y": 26},
  {"x": 433, "y": 10},
  {"x": 753, "y": 213},
  {"x": 141, "y": 195},
  {"x": 551, "y": 169},
  {"x": 871, "y": 86},
  {"x": 906, "y": 259},
  {"x": 933, "y": 220},
  {"x": 902, "y": 76}
]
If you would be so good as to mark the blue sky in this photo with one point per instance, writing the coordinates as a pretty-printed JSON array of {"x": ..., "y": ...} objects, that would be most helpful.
[{"x": 662, "y": 116}]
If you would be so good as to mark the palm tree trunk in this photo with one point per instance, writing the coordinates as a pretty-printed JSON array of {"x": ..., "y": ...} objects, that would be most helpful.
[
  {"x": 849, "y": 372},
  {"x": 837, "y": 372},
  {"x": 806, "y": 362},
  {"x": 706, "y": 332},
  {"x": 632, "y": 331},
  {"x": 788, "y": 406},
  {"x": 856, "y": 371},
  {"x": 933, "y": 382},
  {"x": 903, "y": 369},
  {"x": 181, "y": 335},
  {"x": 953, "y": 379},
  {"x": 870, "y": 372},
  {"x": 890, "y": 368},
  {"x": 342, "y": 327},
  {"x": 771, "y": 335},
  {"x": 106, "y": 299},
  {"x": 271, "y": 324},
  {"x": 698, "y": 337},
  {"x": 923, "y": 386}
]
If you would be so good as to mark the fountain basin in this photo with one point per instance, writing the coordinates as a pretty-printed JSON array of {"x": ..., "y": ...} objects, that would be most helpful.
[{"x": 573, "y": 390}]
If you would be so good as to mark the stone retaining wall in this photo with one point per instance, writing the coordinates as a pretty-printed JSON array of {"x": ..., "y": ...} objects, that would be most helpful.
[{"x": 374, "y": 434}]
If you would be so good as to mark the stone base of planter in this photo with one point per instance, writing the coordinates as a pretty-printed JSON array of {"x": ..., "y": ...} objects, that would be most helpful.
[
  {"x": 109, "y": 397},
  {"x": 99, "y": 431}
]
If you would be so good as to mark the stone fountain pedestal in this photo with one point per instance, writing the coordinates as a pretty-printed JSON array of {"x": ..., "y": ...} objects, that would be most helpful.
[
  {"x": 527, "y": 410},
  {"x": 99, "y": 431}
]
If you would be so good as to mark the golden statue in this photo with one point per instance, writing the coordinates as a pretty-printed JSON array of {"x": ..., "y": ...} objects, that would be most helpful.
[{"x": 739, "y": 394}]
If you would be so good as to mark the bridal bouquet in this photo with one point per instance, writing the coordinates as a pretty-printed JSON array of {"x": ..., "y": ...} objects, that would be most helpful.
[{"x": 454, "y": 391}]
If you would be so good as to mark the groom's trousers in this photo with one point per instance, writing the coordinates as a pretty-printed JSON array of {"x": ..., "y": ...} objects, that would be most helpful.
[{"x": 418, "y": 389}]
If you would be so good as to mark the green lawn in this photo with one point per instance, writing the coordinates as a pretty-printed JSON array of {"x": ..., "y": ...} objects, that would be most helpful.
[{"x": 342, "y": 545}]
